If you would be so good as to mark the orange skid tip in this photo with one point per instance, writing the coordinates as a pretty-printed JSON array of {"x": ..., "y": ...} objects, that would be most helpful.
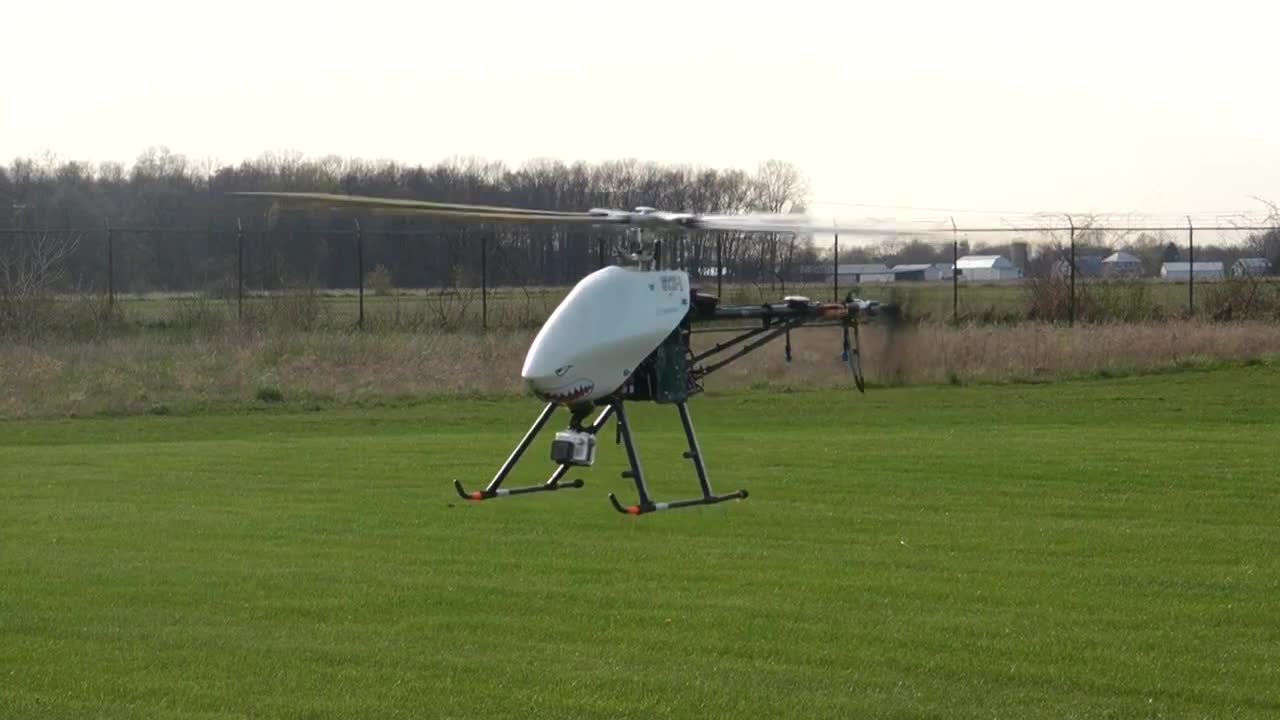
[
  {"x": 477, "y": 495},
  {"x": 634, "y": 510}
]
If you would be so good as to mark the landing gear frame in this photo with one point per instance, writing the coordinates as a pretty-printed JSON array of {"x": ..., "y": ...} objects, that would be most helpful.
[{"x": 611, "y": 408}]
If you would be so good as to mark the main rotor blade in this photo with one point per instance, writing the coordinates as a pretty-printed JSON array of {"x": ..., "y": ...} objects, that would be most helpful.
[
  {"x": 749, "y": 222},
  {"x": 787, "y": 223},
  {"x": 511, "y": 217},
  {"x": 333, "y": 200}
]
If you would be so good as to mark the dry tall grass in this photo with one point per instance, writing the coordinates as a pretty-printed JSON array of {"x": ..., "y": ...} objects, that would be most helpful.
[
  {"x": 156, "y": 372},
  {"x": 933, "y": 353}
]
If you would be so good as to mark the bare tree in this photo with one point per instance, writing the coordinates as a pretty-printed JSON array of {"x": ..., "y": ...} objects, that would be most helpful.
[
  {"x": 32, "y": 265},
  {"x": 778, "y": 187}
]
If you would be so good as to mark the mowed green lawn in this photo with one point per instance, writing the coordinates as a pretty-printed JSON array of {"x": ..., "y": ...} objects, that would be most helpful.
[{"x": 1084, "y": 550}]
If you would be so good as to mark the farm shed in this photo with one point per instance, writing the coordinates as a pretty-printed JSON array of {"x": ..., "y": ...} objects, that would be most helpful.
[
  {"x": 1252, "y": 267},
  {"x": 1182, "y": 271},
  {"x": 850, "y": 273},
  {"x": 921, "y": 272},
  {"x": 1087, "y": 266},
  {"x": 987, "y": 267},
  {"x": 1121, "y": 264}
]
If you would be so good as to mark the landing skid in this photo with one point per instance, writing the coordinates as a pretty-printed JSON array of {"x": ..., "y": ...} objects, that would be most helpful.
[
  {"x": 494, "y": 489},
  {"x": 646, "y": 504},
  {"x": 612, "y": 408}
]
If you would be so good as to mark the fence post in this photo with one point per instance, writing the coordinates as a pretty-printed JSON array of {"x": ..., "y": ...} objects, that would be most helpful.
[
  {"x": 239, "y": 270},
  {"x": 835, "y": 270},
  {"x": 786, "y": 266},
  {"x": 1071, "y": 305},
  {"x": 1191, "y": 269},
  {"x": 484, "y": 282},
  {"x": 720, "y": 265},
  {"x": 111, "y": 269},
  {"x": 600, "y": 244},
  {"x": 955, "y": 273},
  {"x": 360, "y": 271}
]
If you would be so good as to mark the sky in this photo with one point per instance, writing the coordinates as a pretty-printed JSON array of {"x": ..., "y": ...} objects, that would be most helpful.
[{"x": 891, "y": 109}]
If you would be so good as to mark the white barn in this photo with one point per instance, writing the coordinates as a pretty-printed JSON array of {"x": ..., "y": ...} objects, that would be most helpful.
[
  {"x": 987, "y": 267},
  {"x": 1121, "y": 264},
  {"x": 1182, "y": 271}
]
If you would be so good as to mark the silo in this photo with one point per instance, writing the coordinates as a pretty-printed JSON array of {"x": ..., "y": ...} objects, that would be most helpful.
[{"x": 1018, "y": 255}]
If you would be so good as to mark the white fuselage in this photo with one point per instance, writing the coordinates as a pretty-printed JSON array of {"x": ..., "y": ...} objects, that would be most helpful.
[{"x": 606, "y": 326}]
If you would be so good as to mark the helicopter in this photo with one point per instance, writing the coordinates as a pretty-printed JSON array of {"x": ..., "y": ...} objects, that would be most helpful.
[{"x": 622, "y": 334}]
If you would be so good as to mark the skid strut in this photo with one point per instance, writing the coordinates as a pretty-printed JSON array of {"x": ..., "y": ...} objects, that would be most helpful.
[
  {"x": 494, "y": 488},
  {"x": 646, "y": 504}
]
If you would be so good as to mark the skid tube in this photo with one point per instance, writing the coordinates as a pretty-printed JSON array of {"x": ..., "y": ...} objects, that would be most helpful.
[
  {"x": 636, "y": 473},
  {"x": 494, "y": 489}
]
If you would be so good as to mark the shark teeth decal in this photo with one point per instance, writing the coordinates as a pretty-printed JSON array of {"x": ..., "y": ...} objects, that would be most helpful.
[{"x": 570, "y": 392}]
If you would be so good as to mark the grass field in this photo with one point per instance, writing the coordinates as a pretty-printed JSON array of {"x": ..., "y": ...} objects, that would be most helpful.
[{"x": 1076, "y": 550}]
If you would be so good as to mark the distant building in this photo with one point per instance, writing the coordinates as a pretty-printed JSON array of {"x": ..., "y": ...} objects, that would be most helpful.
[
  {"x": 811, "y": 273},
  {"x": 1087, "y": 266},
  {"x": 710, "y": 272},
  {"x": 1121, "y": 264},
  {"x": 978, "y": 268},
  {"x": 1020, "y": 254},
  {"x": 849, "y": 273},
  {"x": 1182, "y": 271},
  {"x": 923, "y": 272},
  {"x": 1252, "y": 267},
  {"x": 865, "y": 273}
]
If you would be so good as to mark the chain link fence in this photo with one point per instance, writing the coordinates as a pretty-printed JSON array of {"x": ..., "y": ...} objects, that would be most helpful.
[{"x": 465, "y": 278}]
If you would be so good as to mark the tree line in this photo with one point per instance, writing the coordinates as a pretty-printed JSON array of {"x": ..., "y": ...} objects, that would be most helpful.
[{"x": 191, "y": 225}]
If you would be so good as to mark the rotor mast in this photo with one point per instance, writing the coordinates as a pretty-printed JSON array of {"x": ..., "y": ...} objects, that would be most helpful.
[{"x": 641, "y": 251}]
